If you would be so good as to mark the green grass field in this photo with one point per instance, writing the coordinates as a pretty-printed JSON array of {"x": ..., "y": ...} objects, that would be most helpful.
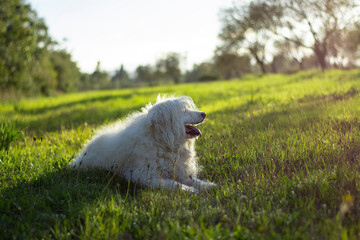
[{"x": 283, "y": 149}]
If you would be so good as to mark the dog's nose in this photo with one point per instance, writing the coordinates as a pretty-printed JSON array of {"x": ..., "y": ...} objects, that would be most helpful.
[{"x": 203, "y": 114}]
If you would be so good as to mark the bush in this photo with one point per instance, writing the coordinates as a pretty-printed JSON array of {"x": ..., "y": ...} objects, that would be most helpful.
[
  {"x": 208, "y": 77},
  {"x": 9, "y": 132}
]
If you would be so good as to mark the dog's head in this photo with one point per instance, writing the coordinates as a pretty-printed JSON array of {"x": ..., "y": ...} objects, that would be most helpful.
[{"x": 173, "y": 120}]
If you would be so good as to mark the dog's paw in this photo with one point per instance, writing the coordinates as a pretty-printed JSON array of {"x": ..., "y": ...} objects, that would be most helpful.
[
  {"x": 208, "y": 185},
  {"x": 190, "y": 189}
]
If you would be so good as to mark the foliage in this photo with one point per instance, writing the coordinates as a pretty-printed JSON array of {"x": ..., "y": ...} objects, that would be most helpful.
[
  {"x": 280, "y": 36},
  {"x": 121, "y": 78},
  {"x": 145, "y": 74},
  {"x": 202, "y": 72},
  {"x": 351, "y": 43},
  {"x": 170, "y": 66},
  {"x": 166, "y": 70},
  {"x": 42, "y": 76},
  {"x": 99, "y": 79},
  {"x": 283, "y": 149},
  {"x": 28, "y": 64},
  {"x": 67, "y": 72},
  {"x": 9, "y": 132},
  {"x": 232, "y": 65},
  {"x": 245, "y": 27},
  {"x": 23, "y": 36},
  {"x": 320, "y": 27}
]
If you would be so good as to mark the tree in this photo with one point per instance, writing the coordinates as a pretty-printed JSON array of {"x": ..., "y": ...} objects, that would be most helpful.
[
  {"x": 231, "y": 65},
  {"x": 28, "y": 62},
  {"x": 291, "y": 51},
  {"x": 42, "y": 76},
  {"x": 99, "y": 79},
  {"x": 348, "y": 48},
  {"x": 311, "y": 24},
  {"x": 245, "y": 29},
  {"x": 202, "y": 72},
  {"x": 85, "y": 83},
  {"x": 67, "y": 72},
  {"x": 170, "y": 66},
  {"x": 145, "y": 74},
  {"x": 23, "y": 40},
  {"x": 323, "y": 22},
  {"x": 120, "y": 78}
]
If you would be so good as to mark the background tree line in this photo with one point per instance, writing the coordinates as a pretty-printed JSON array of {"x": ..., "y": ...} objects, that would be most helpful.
[
  {"x": 291, "y": 35},
  {"x": 29, "y": 60},
  {"x": 258, "y": 36}
]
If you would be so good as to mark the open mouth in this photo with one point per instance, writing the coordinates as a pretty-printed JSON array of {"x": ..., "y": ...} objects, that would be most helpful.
[{"x": 192, "y": 131}]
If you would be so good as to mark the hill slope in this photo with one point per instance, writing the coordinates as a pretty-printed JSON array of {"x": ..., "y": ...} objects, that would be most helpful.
[{"x": 284, "y": 150}]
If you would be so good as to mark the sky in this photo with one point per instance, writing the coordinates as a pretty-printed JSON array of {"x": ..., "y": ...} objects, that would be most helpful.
[{"x": 132, "y": 32}]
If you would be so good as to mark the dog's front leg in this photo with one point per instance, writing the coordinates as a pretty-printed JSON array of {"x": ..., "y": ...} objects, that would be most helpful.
[
  {"x": 156, "y": 182},
  {"x": 198, "y": 183},
  {"x": 171, "y": 185}
]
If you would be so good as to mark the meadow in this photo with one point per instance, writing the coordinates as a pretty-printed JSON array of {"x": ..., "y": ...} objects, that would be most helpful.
[{"x": 283, "y": 149}]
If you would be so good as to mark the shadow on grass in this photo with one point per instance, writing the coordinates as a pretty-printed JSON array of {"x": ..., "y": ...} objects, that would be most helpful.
[
  {"x": 334, "y": 97},
  {"x": 88, "y": 100},
  {"x": 76, "y": 113},
  {"x": 293, "y": 139},
  {"x": 90, "y": 110},
  {"x": 32, "y": 209},
  {"x": 301, "y": 114},
  {"x": 75, "y": 118}
]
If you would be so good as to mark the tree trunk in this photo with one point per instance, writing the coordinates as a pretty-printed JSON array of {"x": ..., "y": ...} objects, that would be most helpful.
[
  {"x": 300, "y": 63},
  {"x": 320, "y": 53},
  {"x": 260, "y": 63},
  {"x": 273, "y": 67}
]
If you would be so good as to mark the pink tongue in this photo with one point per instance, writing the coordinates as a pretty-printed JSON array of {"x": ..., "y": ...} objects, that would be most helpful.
[{"x": 192, "y": 130}]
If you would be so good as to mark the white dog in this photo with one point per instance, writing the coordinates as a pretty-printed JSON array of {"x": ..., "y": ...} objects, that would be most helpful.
[{"x": 154, "y": 147}]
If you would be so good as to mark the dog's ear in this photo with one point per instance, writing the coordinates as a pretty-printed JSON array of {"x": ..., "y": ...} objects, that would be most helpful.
[{"x": 160, "y": 120}]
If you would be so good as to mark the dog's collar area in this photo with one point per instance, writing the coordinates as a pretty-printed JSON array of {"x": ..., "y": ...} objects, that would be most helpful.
[{"x": 192, "y": 131}]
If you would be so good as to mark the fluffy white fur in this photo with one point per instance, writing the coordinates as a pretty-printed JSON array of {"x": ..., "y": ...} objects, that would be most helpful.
[{"x": 154, "y": 147}]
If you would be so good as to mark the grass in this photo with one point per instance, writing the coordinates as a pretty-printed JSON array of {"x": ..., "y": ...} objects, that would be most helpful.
[{"x": 283, "y": 149}]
